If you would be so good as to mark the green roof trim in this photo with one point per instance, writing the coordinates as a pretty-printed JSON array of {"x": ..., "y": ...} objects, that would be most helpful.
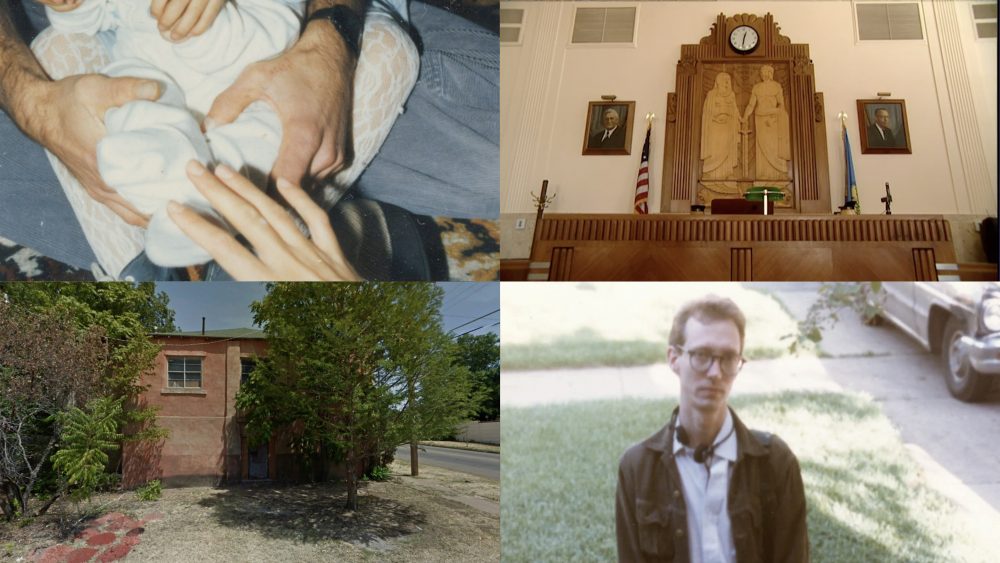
[{"x": 247, "y": 333}]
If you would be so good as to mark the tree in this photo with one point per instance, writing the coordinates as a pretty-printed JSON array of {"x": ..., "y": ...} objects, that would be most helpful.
[
  {"x": 353, "y": 370},
  {"x": 481, "y": 355},
  {"x": 48, "y": 365},
  {"x": 87, "y": 436},
  {"x": 127, "y": 313},
  {"x": 864, "y": 299}
]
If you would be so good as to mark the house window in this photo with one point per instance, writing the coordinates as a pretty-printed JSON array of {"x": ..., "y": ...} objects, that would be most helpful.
[
  {"x": 894, "y": 21},
  {"x": 246, "y": 366},
  {"x": 184, "y": 372}
]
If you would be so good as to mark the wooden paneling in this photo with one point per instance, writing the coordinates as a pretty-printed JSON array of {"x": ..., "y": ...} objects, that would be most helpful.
[
  {"x": 741, "y": 268},
  {"x": 513, "y": 270},
  {"x": 740, "y": 248},
  {"x": 924, "y": 268}
]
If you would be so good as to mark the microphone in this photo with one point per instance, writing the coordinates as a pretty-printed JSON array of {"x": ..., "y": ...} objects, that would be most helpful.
[{"x": 702, "y": 453}]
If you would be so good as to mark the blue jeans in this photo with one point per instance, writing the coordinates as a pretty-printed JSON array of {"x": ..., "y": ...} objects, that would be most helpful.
[{"x": 441, "y": 157}]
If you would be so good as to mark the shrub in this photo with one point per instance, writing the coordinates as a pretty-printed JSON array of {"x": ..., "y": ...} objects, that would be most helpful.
[
  {"x": 150, "y": 491},
  {"x": 379, "y": 473},
  {"x": 87, "y": 437}
]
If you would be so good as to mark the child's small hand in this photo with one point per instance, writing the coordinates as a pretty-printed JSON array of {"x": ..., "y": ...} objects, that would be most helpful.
[
  {"x": 181, "y": 19},
  {"x": 61, "y": 5}
]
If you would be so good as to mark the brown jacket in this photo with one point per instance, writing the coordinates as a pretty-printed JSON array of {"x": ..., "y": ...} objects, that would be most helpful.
[{"x": 767, "y": 505}]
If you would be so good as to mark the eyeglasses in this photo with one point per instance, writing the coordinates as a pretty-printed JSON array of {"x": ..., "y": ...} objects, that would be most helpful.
[{"x": 701, "y": 361}]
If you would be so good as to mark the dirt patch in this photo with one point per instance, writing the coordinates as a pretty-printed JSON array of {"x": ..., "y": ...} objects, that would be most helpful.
[{"x": 404, "y": 519}]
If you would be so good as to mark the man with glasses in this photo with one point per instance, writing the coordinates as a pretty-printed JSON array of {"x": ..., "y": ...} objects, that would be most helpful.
[{"x": 705, "y": 488}]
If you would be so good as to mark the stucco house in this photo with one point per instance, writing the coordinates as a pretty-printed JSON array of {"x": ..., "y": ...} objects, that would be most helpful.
[{"x": 194, "y": 383}]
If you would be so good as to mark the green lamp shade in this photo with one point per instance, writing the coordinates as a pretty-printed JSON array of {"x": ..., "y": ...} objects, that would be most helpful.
[{"x": 756, "y": 193}]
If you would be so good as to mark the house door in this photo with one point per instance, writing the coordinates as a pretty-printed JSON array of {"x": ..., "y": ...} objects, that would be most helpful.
[{"x": 258, "y": 462}]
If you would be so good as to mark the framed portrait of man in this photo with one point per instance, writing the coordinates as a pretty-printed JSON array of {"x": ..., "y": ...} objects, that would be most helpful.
[
  {"x": 884, "y": 129},
  {"x": 608, "y": 128}
]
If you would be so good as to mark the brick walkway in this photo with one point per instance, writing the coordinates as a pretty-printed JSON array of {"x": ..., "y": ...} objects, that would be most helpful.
[{"x": 108, "y": 538}]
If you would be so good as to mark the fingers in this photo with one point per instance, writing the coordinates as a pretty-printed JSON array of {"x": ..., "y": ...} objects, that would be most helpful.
[
  {"x": 186, "y": 22},
  {"x": 322, "y": 233},
  {"x": 283, "y": 260},
  {"x": 234, "y": 208},
  {"x": 269, "y": 209},
  {"x": 299, "y": 144},
  {"x": 327, "y": 159},
  {"x": 156, "y": 8},
  {"x": 313, "y": 215},
  {"x": 196, "y": 19},
  {"x": 124, "y": 90},
  {"x": 230, "y": 254},
  {"x": 172, "y": 12},
  {"x": 290, "y": 246},
  {"x": 208, "y": 17},
  {"x": 62, "y": 5},
  {"x": 232, "y": 101}
]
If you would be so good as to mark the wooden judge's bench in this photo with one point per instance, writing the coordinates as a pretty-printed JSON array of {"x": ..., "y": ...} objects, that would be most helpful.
[{"x": 741, "y": 248}]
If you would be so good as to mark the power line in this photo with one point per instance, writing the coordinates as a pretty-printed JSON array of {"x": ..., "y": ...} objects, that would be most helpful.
[
  {"x": 473, "y": 320},
  {"x": 478, "y": 328}
]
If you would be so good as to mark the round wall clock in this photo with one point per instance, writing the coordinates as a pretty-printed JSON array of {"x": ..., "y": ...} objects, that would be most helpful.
[{"x": 744, "y": 39}]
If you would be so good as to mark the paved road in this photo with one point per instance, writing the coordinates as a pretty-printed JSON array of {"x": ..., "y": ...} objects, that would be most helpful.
[
  {"x": 482, "y": 464},
  {"x": 908, "y": 382}
]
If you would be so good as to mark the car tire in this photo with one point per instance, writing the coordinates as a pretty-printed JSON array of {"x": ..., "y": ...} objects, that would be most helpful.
[{"x": 964, "y": 383}]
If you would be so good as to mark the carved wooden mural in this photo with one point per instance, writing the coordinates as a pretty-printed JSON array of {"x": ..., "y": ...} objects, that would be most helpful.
[{"x": 745, "y": 113}]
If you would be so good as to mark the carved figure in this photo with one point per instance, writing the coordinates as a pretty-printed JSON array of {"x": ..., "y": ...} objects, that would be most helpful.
[
  {"x": 720, "y": 130},
  {"x": 767, "y": 103}
]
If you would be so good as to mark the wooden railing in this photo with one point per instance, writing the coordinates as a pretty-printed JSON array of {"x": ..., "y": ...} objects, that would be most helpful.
[{"x": 740, "y": 247}]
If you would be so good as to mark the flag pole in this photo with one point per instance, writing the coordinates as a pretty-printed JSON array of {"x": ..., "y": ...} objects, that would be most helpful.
[
  {"x": 851, "y": 201},
  {"x": 641, "y": 200}
]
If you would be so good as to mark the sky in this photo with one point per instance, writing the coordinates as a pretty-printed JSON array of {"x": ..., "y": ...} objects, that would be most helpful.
[{"x": 227, "y": 305}]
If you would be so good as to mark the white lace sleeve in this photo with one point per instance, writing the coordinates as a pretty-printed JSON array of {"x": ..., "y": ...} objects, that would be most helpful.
[
  {"x": 114, "y": 241},
  {"x": 386, "y": 73}
]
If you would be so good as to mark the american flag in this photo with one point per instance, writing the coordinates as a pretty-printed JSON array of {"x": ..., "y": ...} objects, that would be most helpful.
[{"x": 642, "y": 181}]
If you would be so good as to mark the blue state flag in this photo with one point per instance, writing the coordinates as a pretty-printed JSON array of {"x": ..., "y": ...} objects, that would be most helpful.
[{"x": 851, "y": 191}]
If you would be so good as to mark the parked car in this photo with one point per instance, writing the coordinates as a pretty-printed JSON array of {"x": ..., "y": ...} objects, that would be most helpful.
[{"x": 959, "y": 321}]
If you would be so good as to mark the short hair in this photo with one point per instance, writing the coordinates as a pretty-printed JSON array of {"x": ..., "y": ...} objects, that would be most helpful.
[
  {"x": 612, "y": 110},
  {"x": 767, "y": 67},
  {"x": 707, "y": 308},
  {"x": 886, "y": 110}
]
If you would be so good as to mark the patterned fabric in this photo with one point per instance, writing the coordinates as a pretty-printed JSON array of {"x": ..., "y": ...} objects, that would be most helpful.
[
  {"x": 471, "y": 251},
  {"x": 19, "y": 263},
  {"x": 472, "y": 247}
]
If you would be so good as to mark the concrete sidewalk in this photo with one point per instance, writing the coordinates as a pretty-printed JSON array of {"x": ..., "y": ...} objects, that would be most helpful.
[{"x": 954, "y": 442}]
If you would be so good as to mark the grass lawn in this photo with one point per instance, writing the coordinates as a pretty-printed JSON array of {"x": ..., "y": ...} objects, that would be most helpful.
[
  {"x": 865, "y": 496},
  {"x": 620, "y": 325}
]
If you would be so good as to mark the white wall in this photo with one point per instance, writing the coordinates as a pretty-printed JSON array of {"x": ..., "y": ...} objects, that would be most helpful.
[
  {"x": 481, "y": 432},
  {"x": 546, "y": 84}
]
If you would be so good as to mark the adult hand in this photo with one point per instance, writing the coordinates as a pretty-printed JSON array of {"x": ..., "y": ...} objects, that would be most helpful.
[
  {"x": 180, "y": 19},
  {"x": 310, "y": 86},
  {"x": 281, "y": 251},
  {"x": 67, "y": 117}
]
